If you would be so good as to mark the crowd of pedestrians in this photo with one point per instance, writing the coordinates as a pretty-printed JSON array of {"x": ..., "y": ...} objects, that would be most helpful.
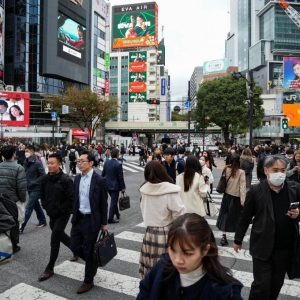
[{"x": 179, "y": 254}]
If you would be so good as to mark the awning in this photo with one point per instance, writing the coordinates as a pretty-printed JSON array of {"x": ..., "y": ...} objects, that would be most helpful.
[{"x": 80, "y": 137}]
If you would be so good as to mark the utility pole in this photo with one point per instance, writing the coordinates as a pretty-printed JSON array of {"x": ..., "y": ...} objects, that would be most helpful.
[
  {"x": 189, "y": 115},
  {"x": 251, "y": 94}
]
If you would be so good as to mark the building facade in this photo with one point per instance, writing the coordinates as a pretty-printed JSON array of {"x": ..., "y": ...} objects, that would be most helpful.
[{"x": 195, "y": 81}]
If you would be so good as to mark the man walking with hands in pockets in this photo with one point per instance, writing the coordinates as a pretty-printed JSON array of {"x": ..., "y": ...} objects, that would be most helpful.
[{"x": 275, "y": 225}]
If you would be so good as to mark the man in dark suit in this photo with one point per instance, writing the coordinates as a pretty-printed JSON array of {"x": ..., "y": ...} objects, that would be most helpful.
[
  {"x": 113, "y": 172},
  {"x": 89, "y": 215},
  {"x": 274, "y": 228}
]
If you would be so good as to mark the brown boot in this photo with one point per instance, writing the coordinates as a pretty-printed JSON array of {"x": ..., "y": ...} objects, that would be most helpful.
[
  {"x": 85, "y": 287},
  {"x": 46, "y": 275}
]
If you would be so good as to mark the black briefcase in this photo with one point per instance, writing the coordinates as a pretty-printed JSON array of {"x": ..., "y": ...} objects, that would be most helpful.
[
  {"x": 124, "y": 201},
  {"x": 105, "y": 249}
]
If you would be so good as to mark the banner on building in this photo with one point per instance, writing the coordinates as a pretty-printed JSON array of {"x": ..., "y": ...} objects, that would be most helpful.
[
  {"x": 160, "y": 55},
  {"x": 137, "y": 97},
  {"x": 292, "y": 113},
  {"x": 135, "y": 25},
  {"x": 15, "y": 107},
  {"x": 291, "y": 72},
  {"x": 106, "y": 83},
  {"x": 2, "y": 18},
  {"x": 215, "y": 66},
  {"x": 137, "y": 74}
]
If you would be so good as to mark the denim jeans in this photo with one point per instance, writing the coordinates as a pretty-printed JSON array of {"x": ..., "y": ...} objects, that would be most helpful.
[
  {"x": 34, "y": 204},
  {"x": 122, "y": 158}
]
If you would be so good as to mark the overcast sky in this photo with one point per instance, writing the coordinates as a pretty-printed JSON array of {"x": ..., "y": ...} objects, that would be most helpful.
[{"x": 195, "y": 31}]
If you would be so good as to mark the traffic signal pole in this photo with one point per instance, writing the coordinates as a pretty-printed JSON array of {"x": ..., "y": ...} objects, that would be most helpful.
[{"x": 189, "y": 115}]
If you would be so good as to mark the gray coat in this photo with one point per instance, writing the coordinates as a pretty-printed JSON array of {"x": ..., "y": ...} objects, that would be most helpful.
[{"x": 13, "y": 181}]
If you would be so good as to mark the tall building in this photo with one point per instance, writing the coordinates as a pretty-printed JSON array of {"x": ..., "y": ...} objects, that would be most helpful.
[
  {"x": 195, "y": 81},
  {"x": 49, "y": 45},
  {"x": 138, "y": 78}
]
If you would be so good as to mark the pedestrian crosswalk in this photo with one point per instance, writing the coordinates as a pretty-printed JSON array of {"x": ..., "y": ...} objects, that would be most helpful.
[{"x": 120, "y": 276}]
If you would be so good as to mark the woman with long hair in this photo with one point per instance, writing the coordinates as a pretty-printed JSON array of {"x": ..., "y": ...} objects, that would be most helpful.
[
  {"x": 194, "y": 186},
  {"x": 16, "y": 113},
  {"x": 233, "y": 198},
  {"x": 160, "y": 206},
  {"x": 191, "y": 269},
  {"x": 247, "y": 164},
  {"x": 206, "y": 172}
]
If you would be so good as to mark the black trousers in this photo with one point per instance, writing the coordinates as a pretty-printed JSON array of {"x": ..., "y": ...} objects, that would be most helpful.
[
  {"x": 73, "y": 165},
  {"x": 14, "y": 235},
  {"x": 58, "y": 226},
  {"x": 269, "y": 275},
  {"x": 83, "y": 240},
  {"x": 113, "y": 210}
]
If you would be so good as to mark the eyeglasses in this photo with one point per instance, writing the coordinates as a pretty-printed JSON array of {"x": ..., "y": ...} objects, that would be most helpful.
[{"x": 82, "y": 161}]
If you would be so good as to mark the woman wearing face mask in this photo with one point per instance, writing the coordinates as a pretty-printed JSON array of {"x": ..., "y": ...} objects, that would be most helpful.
[
  {"x": 206, "y": 172},
  {"x": 233, "y": 198},
  {"x": 194, "y": 186}
]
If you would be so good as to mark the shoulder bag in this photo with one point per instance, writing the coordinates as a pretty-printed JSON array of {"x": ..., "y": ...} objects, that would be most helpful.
[
  {"x": 105, "y": 249},
  {"x": 221, "y": 188},
  {"x": 210, "y": 206},
  {"x": 124, "y": 201}
]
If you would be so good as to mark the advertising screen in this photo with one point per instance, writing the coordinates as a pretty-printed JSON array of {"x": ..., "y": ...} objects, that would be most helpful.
[
  {"x": 160, "y": 55},
  {"x": 135, "y": 25},
  {"x": 291, "y": 72},
  {"x": 15, "y": 108},
  {"x": 71, "y": 44},
  {"x": 138, "y": 97},
  {"x": 292, "y": 113},
  {"x": 137, "y": 74},
  {"x": 138, "y": 61},
  {"x": 291, "y": 97},
  {"x": 215, "y": 66},
  {"x": 137, "y": 82}
]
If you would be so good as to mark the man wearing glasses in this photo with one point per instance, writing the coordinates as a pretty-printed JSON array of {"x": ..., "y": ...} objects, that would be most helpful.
[{"x": 89, "y": 215}]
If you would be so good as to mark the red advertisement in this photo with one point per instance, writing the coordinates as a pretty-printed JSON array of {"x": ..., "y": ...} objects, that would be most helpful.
[
  {"x": 137, "y": 87},
  {"x": 14, "y": 108},
  {"x": 106, "y": 87},
  {"x": 138, "y": 67}
]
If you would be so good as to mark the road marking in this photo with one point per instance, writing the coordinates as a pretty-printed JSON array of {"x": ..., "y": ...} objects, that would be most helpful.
[
  {"x": 129, "y": 169},
  {"x": 133, "y": 165},
  {"x": 25, "y": 291},
  {"x": 138, "y": 237},
  {"x": 109, "y": 280}
]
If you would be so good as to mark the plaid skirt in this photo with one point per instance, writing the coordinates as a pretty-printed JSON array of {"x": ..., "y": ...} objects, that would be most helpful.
[{"x": 154, "y": 245}]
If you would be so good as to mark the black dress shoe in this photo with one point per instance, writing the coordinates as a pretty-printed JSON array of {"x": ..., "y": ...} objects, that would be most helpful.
[
  {"x": 16, "y": 249},
  {"x": 113, "y": 221},
  {"x": 118, "y": 217}
]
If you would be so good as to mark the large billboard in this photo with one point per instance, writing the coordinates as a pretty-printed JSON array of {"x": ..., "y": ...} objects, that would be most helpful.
[
  {"x": 291, "y": 97},
  {"x": 138, "y": 97},
  {"x": 215, "y": 66},
  {"x": 291, "y": 72},
  {"x": 15, "y": 108},
  {"x": 138, "y": 61},
  {"x": 71, "y": 37},
  {"x": 160, "y": 55},
  {"x": 137, "y": 76},
  {"x": 135, "y": 25},
  {"x": 2, "y": 18},
  {"x": 292, "y": 113}
]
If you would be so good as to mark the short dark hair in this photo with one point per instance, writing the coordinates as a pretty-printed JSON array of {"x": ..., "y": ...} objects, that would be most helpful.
[
  {"x": 181, "y": 150},
  {"x": 90, "y": 156},
  {"x": 289, "y": 151},
  {"x": 114, "y": 153},
  {"x": 3, "y": 102},
  {"x": 8, "y": 151},
  {"x": 169, "y": 150},
  {"x": 57, "y": 156},
  {"x": 30, "y": 147}
]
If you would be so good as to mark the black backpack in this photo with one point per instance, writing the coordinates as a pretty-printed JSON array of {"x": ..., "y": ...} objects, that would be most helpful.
[
  {"x": 246, "y": 166},
  {"x": 72, "y": 156},
  {"x": 10, "y": 206}
]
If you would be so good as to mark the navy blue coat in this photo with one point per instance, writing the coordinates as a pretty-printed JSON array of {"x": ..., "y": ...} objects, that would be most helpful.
[
  {"x": 113, "y": 172},
  {"x": 35, "y": 173},
  {"x": 98, "y": 201},
  {"x": 153, "y": 287}
]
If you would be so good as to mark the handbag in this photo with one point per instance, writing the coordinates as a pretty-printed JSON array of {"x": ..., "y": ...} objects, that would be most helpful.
[
  {"x": 105, "y": 249},
  {"x": 6, "y": 248},
  {"x": 124, "y": 201},
  {"x": 221, "y": 188},
  {"x": 210, "y": 206}
]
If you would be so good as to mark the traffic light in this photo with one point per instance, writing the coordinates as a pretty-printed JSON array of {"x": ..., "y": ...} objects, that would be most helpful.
[
  {"x": 285, "y": 123},
  {"x": 196, "y": 128},
  {"x": 59, "y": 130},
  {"x": 153, "y": 101}
]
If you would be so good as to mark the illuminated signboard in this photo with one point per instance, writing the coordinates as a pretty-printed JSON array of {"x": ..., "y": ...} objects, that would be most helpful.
[
  {"x": 291, "y": 72},
  {"x": 135, "y": 25},
  {"x": 292, "y": 113}
]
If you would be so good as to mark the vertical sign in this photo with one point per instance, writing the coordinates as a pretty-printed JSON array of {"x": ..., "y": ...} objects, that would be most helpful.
[
  {"x": 2, "y": 40},
  {"x": 107, "y": 60},
  {"x": 163, "y": 87},
  {"x": 106, "y": 83}
]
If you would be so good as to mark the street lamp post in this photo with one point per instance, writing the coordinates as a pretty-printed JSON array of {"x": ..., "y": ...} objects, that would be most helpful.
[
  {"x": 250, "y": 83},
  {"x": 1, "y": 114}
]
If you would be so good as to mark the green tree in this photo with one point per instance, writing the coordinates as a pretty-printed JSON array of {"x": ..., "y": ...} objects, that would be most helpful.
[
  {"x": 223, "y": 101},
  {"x": 86, "y": 108}
]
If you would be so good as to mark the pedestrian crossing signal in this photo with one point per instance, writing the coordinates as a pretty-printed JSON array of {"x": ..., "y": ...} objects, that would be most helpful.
[{"x": 285, "y": 123}]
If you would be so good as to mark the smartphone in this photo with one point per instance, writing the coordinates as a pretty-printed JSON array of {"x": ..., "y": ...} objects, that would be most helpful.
[{"x": 294, "y": 205}]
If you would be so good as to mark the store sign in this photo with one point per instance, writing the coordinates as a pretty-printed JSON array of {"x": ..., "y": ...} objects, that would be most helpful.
[
  {"x": 77, "y": 132},
  {"x": 163, "y": 87},
  {"x": 106, "y": 86}
]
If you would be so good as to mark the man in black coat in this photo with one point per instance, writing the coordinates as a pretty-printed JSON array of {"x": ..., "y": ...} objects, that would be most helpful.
[
  {"x": 89, "y": 215},
  {"x": 274, "y": 228},
  {"x": 57, "y": 200}
]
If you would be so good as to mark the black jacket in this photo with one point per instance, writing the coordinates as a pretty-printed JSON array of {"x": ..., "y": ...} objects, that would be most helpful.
[
  {"x": 259, "y": 205},
  {"x": 35, "y": 173},
  {"x": 171, "y": 169},
  {"x": 57, "y": 194}
]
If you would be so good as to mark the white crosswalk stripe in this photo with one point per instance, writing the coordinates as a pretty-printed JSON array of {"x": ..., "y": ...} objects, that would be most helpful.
[{"x": 112, "y": 279}]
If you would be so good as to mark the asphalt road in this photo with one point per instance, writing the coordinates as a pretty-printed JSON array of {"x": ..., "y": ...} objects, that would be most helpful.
[{"x": 119, "y": 279}]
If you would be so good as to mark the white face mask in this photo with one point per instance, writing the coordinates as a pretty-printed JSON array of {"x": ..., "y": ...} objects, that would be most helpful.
[
  {"x": 27, "y": 154},
  {"x": 277, "y": 179},
  {"x": 202, "y": 163}
]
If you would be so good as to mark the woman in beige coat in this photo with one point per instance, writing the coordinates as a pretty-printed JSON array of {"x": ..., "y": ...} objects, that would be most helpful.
[
  {"x": 233, "y": 198},
  {"x": 193, "y": 185}
]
